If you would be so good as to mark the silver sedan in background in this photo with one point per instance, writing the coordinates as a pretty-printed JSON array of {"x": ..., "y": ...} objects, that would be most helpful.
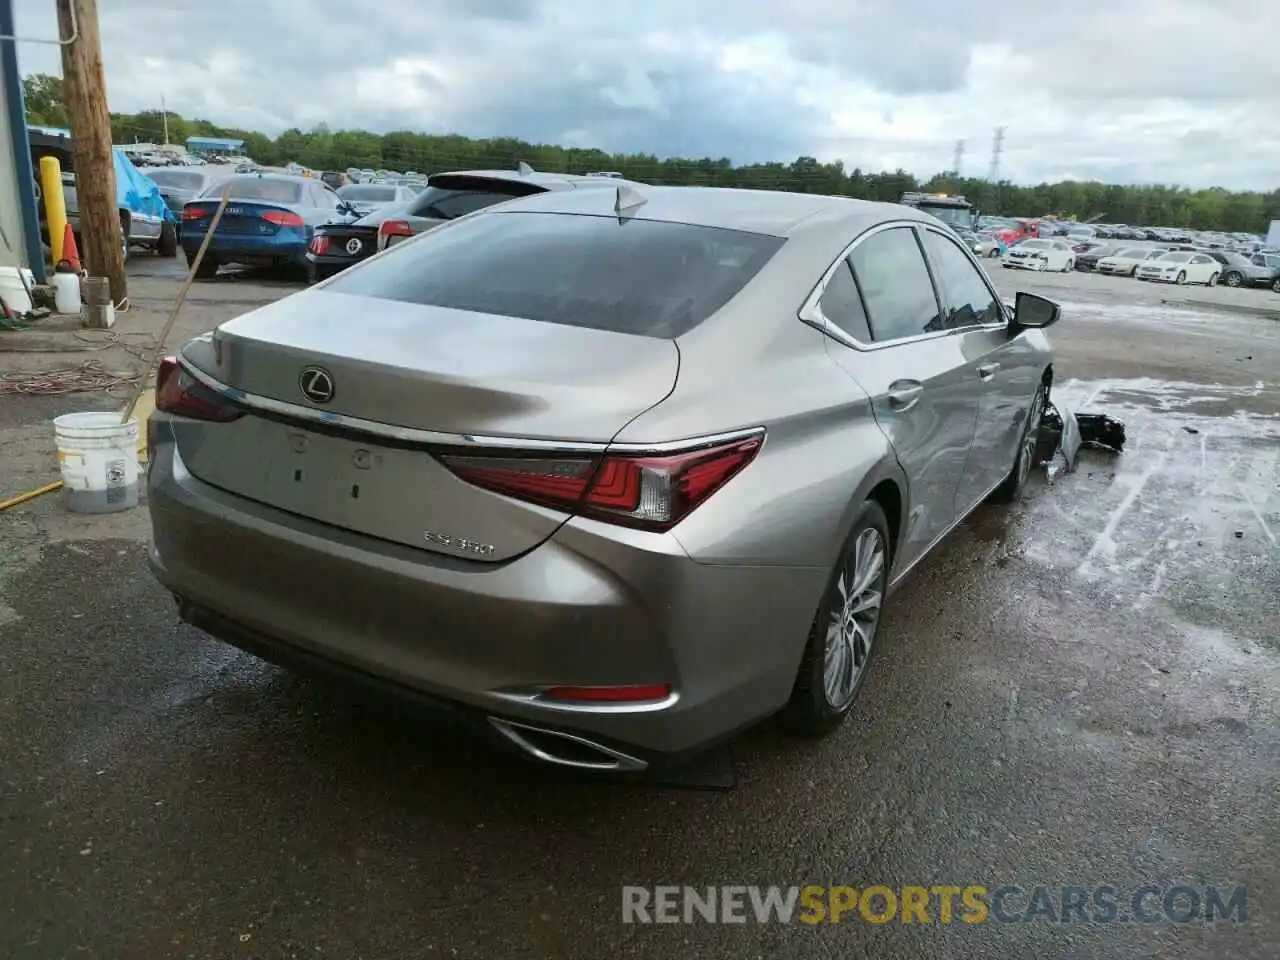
[
  {"x": 982, "y": 244},
  {"x": 615, "y": 472}
]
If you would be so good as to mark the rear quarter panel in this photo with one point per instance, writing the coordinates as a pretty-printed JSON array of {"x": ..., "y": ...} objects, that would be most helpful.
[{"x": 793, "y": 505}]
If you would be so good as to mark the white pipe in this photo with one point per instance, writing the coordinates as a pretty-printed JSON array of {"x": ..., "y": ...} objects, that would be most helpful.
[{"x": 75, "y": 34}]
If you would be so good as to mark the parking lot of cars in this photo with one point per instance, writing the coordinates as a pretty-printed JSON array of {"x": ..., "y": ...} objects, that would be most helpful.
[
  {"x": 1063, "y": 688},
  {"x": 1157, "y": 255}
]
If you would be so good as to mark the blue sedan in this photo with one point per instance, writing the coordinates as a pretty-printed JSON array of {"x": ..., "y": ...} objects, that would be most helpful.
[{"x": 269, "y": 220}]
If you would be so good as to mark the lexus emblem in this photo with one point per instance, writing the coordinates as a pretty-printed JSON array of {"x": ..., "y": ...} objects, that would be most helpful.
[
  {"x": 353, "y": 246},
  {"x": 316, "y": 384}
]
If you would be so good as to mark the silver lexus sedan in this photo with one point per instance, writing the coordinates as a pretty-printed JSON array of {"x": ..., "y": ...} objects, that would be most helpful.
[{"x": 611, "y": 473}]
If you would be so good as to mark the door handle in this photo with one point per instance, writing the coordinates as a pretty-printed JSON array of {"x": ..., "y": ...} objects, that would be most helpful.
[
  {"x": 988, "y": 370},
  {"x": 904, "y": 394}
]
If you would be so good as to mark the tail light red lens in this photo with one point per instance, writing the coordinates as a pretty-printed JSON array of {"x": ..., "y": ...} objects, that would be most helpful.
[
  {"x": 282, "y": 218},
  {"x": 196, "y": 213},
  {"x": 650, "y": 492},
  {"x": 395, "y": 228},
  {"x": 319, "y": 246},
  {"x": 180, "y": 394}
]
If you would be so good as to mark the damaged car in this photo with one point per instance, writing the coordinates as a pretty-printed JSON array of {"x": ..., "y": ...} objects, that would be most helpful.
[{"x": 610, "y": 474}]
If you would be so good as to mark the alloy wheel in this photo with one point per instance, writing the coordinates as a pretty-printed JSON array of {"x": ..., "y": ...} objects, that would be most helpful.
[
  {"x": 851, "y": 628},
  {"x": 1027, "y": 453}
]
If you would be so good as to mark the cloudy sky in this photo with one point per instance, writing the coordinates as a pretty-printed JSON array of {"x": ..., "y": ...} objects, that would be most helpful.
[{"x": 1181, "y": 91}]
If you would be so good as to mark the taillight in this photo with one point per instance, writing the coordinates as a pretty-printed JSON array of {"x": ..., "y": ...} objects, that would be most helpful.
[
  {"x": 179, "y": 393},
  {"x": 282, "y": 218},
  {"x": 319, "y": 245},
  {"x": 196, "y": 213},
  {"x": 651, "y": 492},
  {"x": 395, "y": 228}
]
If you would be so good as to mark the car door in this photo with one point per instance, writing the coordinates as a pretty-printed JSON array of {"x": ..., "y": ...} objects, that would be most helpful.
[
  {"x": 1003, "y": 370},
  {"x": 1201, "y": 267},
  {"x": 881, "y": 307}
]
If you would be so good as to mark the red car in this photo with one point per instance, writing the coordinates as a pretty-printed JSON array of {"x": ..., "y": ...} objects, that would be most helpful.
[{"x": 1009, "y": 231}]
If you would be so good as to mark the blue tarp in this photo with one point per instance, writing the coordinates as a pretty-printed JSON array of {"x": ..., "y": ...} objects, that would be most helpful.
[{"x": 137, "y": 192}]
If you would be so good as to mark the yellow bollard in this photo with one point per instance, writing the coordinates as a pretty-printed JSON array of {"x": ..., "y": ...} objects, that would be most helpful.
[{"x": 55, "y": 203}]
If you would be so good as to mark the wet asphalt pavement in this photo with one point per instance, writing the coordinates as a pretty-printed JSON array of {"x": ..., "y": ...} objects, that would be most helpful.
[{"x": 1076, "y": 691}]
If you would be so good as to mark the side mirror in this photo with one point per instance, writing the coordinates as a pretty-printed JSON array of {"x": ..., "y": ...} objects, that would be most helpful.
[{"x": 1032, "y": 312}]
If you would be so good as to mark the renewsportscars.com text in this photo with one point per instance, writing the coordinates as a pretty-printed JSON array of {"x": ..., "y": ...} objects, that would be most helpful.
[{"x": 971, "y": 904}]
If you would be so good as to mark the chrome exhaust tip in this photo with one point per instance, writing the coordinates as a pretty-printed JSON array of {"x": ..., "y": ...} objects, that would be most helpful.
[{"x": 566, "y": 749}]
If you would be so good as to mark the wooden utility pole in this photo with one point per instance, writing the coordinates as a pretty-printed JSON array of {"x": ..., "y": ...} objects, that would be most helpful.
[{"x": 85, "y": 89}]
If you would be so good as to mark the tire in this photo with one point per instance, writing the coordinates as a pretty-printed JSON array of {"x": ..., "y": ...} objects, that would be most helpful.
[
  {"x": 1232, "y": 279},
  {"x": 1182, "y": 277},
  {"x": 208, "y": 266},
  {"x": 167, "y": 245},
  {"x": 822, "y": 698},
  {"x": 1275, "y": 286},
  {"x": 1213, "y": 280},
  {"x": 993, "y": 254},
  {"x": 1070, "y": 267},
  {"x": 1011, "y": 489}
]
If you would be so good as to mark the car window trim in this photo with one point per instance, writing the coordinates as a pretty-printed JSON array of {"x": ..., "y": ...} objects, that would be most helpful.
[{"x": 811, "y": 313}]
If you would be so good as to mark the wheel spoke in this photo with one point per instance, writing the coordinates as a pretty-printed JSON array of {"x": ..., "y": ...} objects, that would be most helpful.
[
  {"x": 869, "y": 600},
  {"x": 855, "y": 612}
]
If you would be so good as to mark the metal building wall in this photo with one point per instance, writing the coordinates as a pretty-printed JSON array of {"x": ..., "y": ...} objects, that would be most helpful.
[
  {"x": 12, "y": 237},
  {"x": 19, "y": 219}
]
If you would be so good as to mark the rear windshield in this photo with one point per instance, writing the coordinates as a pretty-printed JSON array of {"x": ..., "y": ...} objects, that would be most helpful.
[
  {"x": 644, "y": 277},
  {"x": 367, "y": 193},
  {"x": 258, "y": 188},
  {"x": 449, "y": 197},
  {"x": 182, "y": 179}
]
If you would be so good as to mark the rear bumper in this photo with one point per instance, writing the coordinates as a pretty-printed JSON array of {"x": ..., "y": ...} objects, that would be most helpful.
[
  {"x": 588, "y": 607},
  {"x": 144, "y": 231},
  {"x": 327, "y": 266},
  {"x": 232, "y": 248}
]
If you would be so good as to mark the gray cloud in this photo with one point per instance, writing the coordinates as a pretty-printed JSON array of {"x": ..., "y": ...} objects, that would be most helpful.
[{"x": 1176, "y": 91}]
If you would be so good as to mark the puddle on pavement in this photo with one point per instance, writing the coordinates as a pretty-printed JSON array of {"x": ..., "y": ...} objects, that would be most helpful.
[{"x": 1194, "y": 498}]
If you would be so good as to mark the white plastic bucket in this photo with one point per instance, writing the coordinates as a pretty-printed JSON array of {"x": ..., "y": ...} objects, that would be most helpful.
[
  {"x": 12, "y": 291},
  {"x": 98, "y": 456},
  {"x": 66, "y": 292}
]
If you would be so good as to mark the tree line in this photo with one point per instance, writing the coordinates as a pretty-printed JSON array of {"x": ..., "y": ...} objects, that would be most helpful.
[{"x": 321, "y": 148}]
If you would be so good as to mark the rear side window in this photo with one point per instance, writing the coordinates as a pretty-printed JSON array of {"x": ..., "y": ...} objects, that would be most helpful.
[
  {"x": 842, "y": 305},
  {"x": 643, "y": 277},
  {"x": 896, "y": 286}
]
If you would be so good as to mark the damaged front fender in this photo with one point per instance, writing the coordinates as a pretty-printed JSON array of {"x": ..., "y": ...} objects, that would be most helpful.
[{"x": 1063, "y": 432}]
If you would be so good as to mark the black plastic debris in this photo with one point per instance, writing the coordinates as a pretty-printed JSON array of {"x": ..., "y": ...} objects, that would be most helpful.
[{"x": 1063, "y": 432}]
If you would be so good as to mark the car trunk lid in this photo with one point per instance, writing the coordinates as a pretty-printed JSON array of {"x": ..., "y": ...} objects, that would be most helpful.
[
  {"x": 401, "y": 375},
  {"x": 241, "y": 217}
]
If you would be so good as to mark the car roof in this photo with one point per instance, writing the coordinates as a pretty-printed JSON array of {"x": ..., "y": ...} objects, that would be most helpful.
[
  {"x": 279, "y": 177},
  {"x": 548, "y": 181},
  {"x": 773, "y": 212}
]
